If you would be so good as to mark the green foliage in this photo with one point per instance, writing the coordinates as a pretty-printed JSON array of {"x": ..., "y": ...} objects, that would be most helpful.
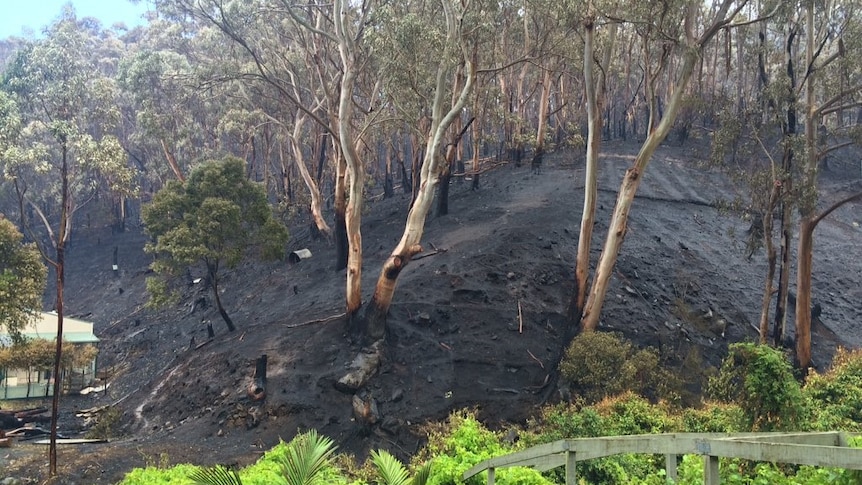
[
  {"x": 393, "y": 472},
  {"x": 38, "y": 353},
  {"x": 740, "y": 472},
  {"x": 714, "y": 417},
  {"x": 22, "y": 280},
  {"x": 62, "y": 123},
  {"x": 213, "y": 219},
  {"x": 627, "y": 414},
  {"x": 760, "y": 380},
  {"x": 217, "y": 475},
  {"x": 602, "y": 364},
  {"x": 307, "y": 457},
  {"x": 836, "y": 395},
  {"x": 463, "y": 442},
  {"x": 216, "y": 216},
  {"x": 176, "y": 475}
]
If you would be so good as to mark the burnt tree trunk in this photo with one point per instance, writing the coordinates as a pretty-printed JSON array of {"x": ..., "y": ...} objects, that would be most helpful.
[
  {"x": 213, "y": 273},
  {"x": 446, "y": 176},
  {"x": 257, "y": 389},
  {"x": 786, "y": 208},
  {"x": 341, "y": 243}
]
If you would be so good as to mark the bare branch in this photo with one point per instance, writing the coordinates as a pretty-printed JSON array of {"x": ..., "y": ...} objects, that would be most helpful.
[{"x": 853, "y": 198}]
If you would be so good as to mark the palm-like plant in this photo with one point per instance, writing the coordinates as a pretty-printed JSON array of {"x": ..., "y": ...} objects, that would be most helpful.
[
  {"x": 306, "y": 458},
  {"x": 393, "y": 472},
  {"x": 217, "y": 475}
]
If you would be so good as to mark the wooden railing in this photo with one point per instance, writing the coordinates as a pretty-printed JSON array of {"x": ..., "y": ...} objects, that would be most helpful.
[{"x": 828, "y": 449}]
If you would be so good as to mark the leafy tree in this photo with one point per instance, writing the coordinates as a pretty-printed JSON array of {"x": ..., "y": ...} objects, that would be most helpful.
[
  {"x": 55, "y": 145},
  {"x": 22, "y": 279},
  {"x": 215, "y": 218}
]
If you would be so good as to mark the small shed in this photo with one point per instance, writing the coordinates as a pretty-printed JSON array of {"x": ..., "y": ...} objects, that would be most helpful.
[{"x": 36, "y": 381}]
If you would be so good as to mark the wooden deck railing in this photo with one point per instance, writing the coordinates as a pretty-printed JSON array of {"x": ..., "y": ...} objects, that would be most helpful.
[{"x": 828, "y": 449}]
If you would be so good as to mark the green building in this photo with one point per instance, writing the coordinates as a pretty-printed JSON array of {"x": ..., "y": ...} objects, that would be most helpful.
[{"x": 36, "y": 381}]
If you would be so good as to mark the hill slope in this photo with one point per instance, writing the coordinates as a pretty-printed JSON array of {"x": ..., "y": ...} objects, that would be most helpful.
[{"x": 476, "y": 324}]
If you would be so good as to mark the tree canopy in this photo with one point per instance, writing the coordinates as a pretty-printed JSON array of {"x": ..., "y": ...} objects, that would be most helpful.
[
  {"x": 215, "y": 219},
  {"x": 22, "y": 280}
]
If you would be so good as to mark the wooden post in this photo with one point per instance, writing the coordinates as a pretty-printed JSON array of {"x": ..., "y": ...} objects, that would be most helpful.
[
  {"x": 490, "y": 476},
  {"x": 571, "y": 471},
  {"x": 670, "y": 467},
  {"x": 710, "y": 470}
]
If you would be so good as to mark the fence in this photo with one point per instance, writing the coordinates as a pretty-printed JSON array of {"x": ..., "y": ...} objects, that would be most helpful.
[{"x": 828, "y": 449}]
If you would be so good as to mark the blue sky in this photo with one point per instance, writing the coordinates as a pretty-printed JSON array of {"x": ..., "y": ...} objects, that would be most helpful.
[{"x": 16, "y": 15}]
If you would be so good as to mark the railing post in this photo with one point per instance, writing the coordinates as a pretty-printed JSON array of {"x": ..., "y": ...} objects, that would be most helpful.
[
  {"x": 670, "y": 467},
  {"x": 490, "y": 476},
  {"x": 710, "y": 470},
  {"x": 571, "y": 470}
]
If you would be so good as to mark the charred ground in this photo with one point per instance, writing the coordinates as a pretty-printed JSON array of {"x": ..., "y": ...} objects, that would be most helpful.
[{"x": 477, "y": 324}]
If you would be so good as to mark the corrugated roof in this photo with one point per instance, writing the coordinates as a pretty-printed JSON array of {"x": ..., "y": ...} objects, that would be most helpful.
[{"x": 45, "y": 326}]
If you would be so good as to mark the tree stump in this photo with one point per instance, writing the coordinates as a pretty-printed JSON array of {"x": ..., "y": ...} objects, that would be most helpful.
[{"x": 257, "y": 389}]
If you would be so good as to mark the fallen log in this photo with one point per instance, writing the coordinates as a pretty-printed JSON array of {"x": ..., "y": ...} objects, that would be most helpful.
[
  {"x": 13, "y": 419},
  {"x": 25, "y": 413}
]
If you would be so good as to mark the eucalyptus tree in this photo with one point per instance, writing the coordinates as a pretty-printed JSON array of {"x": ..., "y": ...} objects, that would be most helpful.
[
  {"x": 595, "y": 88},
  {"x": 62, "y": 149},
  {"x": 678, "y": 33},
  {"x": 746, "y": 129},
  {"x": 455, "y": 49},
  {"x": 832, "y": 80},
  {"x": 806, "y": 75},
  {"x": 170, "y": 114}
]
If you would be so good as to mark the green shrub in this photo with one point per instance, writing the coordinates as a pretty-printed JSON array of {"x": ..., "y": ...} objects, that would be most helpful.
[
  {"x": 760, "y": 380},
  {"x": 601, "y": 364},
  {"x": 463, "y": 442},
  {"x": 836, "y": 395},
  {"x": 176, "y": 475},
  {"x": 626, "y": 414},
  {"x": 714, "y": 417}
]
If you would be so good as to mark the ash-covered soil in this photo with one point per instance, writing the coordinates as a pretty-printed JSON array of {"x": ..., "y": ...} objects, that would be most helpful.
[{"x": 479, "y": 323}]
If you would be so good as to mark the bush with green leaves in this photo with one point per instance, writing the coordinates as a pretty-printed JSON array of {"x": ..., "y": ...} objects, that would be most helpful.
[
  {"x": 464, "y": 442},
  {"x": 741, "y": 472},
  {"x": 714, "y": 417},
  {"x": 602, "y": 364},
  {"x": 151, "y": 475},
  {"x": 760, "y": 380},
  {"x": 836, "y": 395},
  {"x": 626, "y": 414}
]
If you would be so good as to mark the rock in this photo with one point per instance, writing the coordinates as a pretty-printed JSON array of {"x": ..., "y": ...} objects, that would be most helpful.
[
  {"x": 397, "y": 395},
  {"x": 11, "y": 481},
  {"x": 362, "y": 369},
  {"x": 365, "y": 409},
  {"x": 390, "y": 425}
]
